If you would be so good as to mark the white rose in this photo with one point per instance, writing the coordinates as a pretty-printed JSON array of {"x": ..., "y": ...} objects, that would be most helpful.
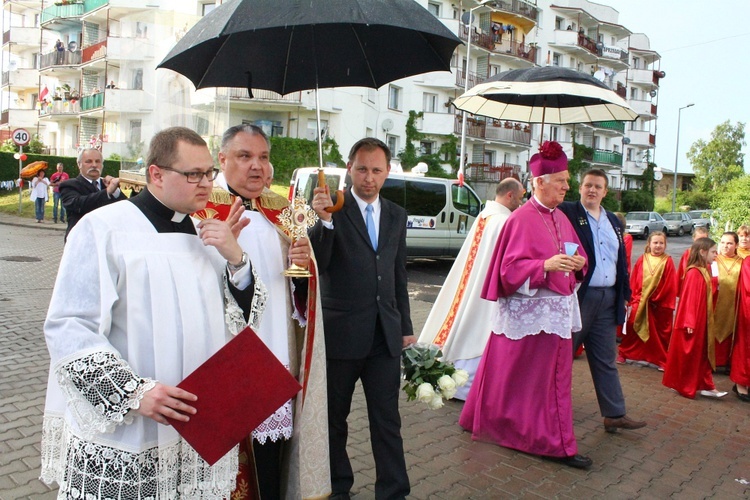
[
  {"x": 448, "y": 393},
  {"x": 460, "y": 377},
  {"x": 446, "y": 383},
  {"x": 436, "y": 402},
  {"x": 425, "y": 393}
]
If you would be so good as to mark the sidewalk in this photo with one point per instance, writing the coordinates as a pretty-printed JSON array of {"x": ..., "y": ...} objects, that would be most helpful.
[{"x": 691, "y": 449}]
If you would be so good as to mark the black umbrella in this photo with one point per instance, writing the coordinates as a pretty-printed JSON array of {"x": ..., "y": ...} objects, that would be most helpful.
[{"x": 291, "y": 45}]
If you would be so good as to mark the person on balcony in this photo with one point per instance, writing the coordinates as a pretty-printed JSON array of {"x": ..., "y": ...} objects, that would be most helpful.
[{"x": 60, "y": 48}]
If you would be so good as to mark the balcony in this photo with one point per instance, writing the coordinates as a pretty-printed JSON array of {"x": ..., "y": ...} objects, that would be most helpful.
[
  {"x": 504, "y": 47},
  {"x": 615, "y": 57},
  {"x": 644, "y": 108},
  {"x": 484, "y": 172},
  {"x": 641, "y": 138},
  {"x": 611, "y": 125},
  {"x": 57, "y": 59},
  {"x": 612, "y": 158},
  {"x": 578, "y": 43},
  {"x": 56, "y": 12},
  {"x": 510, "y": 133},
  {"x": 437, "y": 123},
  {"x": 478, "y": 38},
  {"x": 25, "y": 78},
  {"x": 645, "y": 77},
  {"x": 94, "y": 51},
  {"x": 15, "y": 118},
  {"x": 56, "y": 108},
  {"x": 258, "y": 94},
  {"x": 127, "y": 101},
  {"x": 524, "y": 9},
  {"x": 18, "y": 35},
  {"x": 437, "y": 79},
  {"x": 90, "y": 102},
  {"x": 474, "y": 78}
]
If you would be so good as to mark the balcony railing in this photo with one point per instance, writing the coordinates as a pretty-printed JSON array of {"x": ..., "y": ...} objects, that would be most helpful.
[
  {"x": 94, "y": 4},
  {"x": 587, "y": 43},
  {"x": 495, "y": 130},
  {"x": 67, "y": 107},
  {"x": 611, "y": 125},
  {"x": 608, "y": 157},
  {"x": 491, "y": 173},
  {"x": 517, "y": 7},
  {"x": 621, "y": 90},
  {"x": 62, "y": 12},
  {"x": 4, "y": 117},
  {"x": 516, "y": 49},
  {"x": 90, "y": 102},
  {"x": 652, "y": 139},
  {"x": 474, "y": 79},
  {"x": 478, "y": 38},
  {"x": 94, "y": 51},
  {"x": 64, "y": 58},
  {"x": 258, "y": 94}
]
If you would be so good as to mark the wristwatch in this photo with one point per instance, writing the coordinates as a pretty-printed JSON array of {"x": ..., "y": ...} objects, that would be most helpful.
[{"x": 234, "y": 268}]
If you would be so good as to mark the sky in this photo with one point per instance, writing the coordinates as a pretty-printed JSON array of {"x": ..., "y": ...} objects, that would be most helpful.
[{"x": 704, "y": 47}]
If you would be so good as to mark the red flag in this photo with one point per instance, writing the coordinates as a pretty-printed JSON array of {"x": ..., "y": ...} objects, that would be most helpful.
[{"x": 43, "y": 93}]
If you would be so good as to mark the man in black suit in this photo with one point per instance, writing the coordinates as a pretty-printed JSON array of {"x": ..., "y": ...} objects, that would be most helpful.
[
  {"x": 602, "y": 296},
  {"x": 361, "y": 255},
  {"x": 89, "y": 190}
]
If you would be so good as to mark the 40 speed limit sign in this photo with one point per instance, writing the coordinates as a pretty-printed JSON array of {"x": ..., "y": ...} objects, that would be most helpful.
[{"x": 21, "y": 136}]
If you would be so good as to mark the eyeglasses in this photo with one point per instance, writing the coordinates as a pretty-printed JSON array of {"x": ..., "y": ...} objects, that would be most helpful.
[{"x": 195, "y": 177}]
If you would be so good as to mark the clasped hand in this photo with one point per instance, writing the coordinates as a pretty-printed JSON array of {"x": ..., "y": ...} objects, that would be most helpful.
[{"x": 565, "y": 263}]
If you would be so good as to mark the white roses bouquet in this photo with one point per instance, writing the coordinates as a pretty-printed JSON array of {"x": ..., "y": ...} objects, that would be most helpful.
[{"x": 428, "y": 378}]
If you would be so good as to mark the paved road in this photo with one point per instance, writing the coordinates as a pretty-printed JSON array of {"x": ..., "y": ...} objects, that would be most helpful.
[{"x": 691, "y": 449}]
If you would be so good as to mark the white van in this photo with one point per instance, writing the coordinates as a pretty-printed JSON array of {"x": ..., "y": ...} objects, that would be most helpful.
[{"x": 440, "y": 212}]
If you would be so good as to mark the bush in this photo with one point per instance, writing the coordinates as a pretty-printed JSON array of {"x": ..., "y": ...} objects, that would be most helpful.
[
  {"x": 9, "y": 165},
  {"x": 664, "y": 205},
  {"x": 288, "y": 153},
  {"x": 733, "y": 203},
  {"x": 637, "y": 201},
  {"x": 696, "y": 200}
]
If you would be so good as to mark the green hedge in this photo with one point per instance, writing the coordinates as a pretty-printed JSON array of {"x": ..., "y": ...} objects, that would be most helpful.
[{"x": 9, "y": 165}]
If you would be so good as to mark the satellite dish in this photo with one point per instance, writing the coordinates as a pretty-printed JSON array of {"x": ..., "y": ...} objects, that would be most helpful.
[
  {"x": 467, "y": 18},
  {"x": 652, "y": 93},
  {"x": 658, "y": 175},
  {"x": 387, "y": 124},
  {"x": 599, "y": 75},
  {"x": 419, "y": 168},
  {"x": 626, "y": 140}
]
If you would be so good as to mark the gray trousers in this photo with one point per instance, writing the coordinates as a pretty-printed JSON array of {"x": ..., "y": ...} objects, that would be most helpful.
[{"x": 598, "y": 335}]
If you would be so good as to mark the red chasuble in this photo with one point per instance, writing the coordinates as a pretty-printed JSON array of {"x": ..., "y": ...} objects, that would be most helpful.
[
  {"x": 689, "y": 361},
  {"x": 740, "y": 373},
  {"x": 659, "y": 298}
]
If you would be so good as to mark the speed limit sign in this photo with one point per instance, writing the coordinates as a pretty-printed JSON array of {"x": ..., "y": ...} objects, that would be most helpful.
[{"x": 21, "y": 136}]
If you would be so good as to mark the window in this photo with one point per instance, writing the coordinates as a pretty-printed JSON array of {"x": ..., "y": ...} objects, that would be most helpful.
[
  {"x": 465, "y": 201},
  {"x": 427, "y": 147},
  {"x": 429, "y": 103},
  {"x": 559, "y": 23},
  {"x": 494, "y": 69},
  {"x": 629, "y": 154},
  {"x": 615, "y": 148},
  {"x": 135, "y": 132},
  {"x": 312, "y": 128},
  {"x": 636, "y": 62},
  {"x": 556, "y": 58},
  {"x": 372, "y": 96},
  {"x": 434, "y": 9},
  {"x": 207, "y": 7},
  {"x": 394, "y": 97},
  {"x": 424, "y": 198},
  {"x": 634, "y": 93},
  {"x": 554, "y": 134},
  {"x": 137, "y": 79},
  {"x": 392, "y": 141}
]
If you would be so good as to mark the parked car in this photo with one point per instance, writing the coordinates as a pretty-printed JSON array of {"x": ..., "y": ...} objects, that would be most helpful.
[
  {"x": 702, "y": 218},
  {"x": 642, "y": 223},
  {"x": 679, "y": 223},
  {"x": 439, "y": 211}
]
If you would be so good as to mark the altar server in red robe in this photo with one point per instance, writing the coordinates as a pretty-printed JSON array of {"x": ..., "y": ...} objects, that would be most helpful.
[
  {"x": 728, "y": 263},
  {"x": 691, "y": 351},
  {"x": 740, "y": 373},
  {"x": 654, "y": 288}
]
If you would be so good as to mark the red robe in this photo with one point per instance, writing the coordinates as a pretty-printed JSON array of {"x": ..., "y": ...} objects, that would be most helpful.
[
  {"x": 628, "y": 241},
  {"x": 660, "y": 312},
  {"x": 688, "y": 367},
  {"x": 740, "y": 373}
]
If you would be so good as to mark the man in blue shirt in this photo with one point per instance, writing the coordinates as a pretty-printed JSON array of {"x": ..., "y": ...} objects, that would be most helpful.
[{"x": 602, "y": 296}]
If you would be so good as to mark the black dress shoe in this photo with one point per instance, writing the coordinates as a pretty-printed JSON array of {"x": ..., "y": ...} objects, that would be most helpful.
[
  {"x": 743, "y": 397},
  {"x": 577, "y": 461},
  {"x": 339, "y": 496},
  {"x": 612, "y": 424}
]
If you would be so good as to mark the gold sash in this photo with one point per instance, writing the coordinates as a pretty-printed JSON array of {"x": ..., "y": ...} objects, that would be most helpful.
[
  {"x": 725, "y": 312},
  {"x": 653, "y": 270},
  {"x": 743, "y": 252}
]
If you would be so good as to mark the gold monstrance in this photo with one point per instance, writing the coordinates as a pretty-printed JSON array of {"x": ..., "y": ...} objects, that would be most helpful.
[{"x": 296, "y": 219}]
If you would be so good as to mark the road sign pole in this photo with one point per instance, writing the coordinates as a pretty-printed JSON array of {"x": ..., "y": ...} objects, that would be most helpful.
[{"x": 20, "y": 181}]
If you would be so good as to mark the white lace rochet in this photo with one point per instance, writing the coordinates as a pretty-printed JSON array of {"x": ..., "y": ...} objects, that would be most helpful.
[{"x": 520, "y": 315}]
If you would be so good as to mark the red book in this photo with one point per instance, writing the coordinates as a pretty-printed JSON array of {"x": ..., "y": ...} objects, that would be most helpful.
[{"x": 237, "y": 388}]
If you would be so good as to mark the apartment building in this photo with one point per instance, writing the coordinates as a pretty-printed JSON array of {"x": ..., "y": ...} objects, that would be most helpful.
[{"x": 103, "y": 87}]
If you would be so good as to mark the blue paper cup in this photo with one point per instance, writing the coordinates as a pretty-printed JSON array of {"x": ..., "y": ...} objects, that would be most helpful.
[{"x": 570, "y": 248}]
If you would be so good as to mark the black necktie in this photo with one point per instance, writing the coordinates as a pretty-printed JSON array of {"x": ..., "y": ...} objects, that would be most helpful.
[{"x": 96, "y": 185}]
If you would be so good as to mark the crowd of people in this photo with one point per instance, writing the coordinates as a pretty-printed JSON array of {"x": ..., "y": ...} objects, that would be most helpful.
[{"x": 534, "y": 281}]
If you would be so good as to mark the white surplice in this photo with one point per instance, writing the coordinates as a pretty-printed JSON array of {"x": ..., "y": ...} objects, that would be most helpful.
[
  {"x": 131, "y": 306},
  {"x": 460, "y": 320}
]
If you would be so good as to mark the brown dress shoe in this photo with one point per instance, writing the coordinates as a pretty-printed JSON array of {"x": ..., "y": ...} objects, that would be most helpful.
[{"x": 612, "y": 424}]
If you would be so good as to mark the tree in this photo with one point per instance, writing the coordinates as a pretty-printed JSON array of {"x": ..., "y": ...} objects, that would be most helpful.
[
  {"x": 409, "y": 156},
  {"x": 733, "y": 203},
  {"x": 719, "y": 160}
]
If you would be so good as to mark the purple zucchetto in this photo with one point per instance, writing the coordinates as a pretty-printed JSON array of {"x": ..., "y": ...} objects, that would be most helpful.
[{"x": 549, "y": 160}]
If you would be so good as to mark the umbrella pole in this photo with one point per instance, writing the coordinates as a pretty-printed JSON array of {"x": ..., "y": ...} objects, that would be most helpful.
[{"x": 320, "y": 137}]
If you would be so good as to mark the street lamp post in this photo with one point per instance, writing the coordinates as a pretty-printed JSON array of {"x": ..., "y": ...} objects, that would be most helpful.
[
  {"x": 676, "y": 156},
  {"x": 462, "y": 160}
]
